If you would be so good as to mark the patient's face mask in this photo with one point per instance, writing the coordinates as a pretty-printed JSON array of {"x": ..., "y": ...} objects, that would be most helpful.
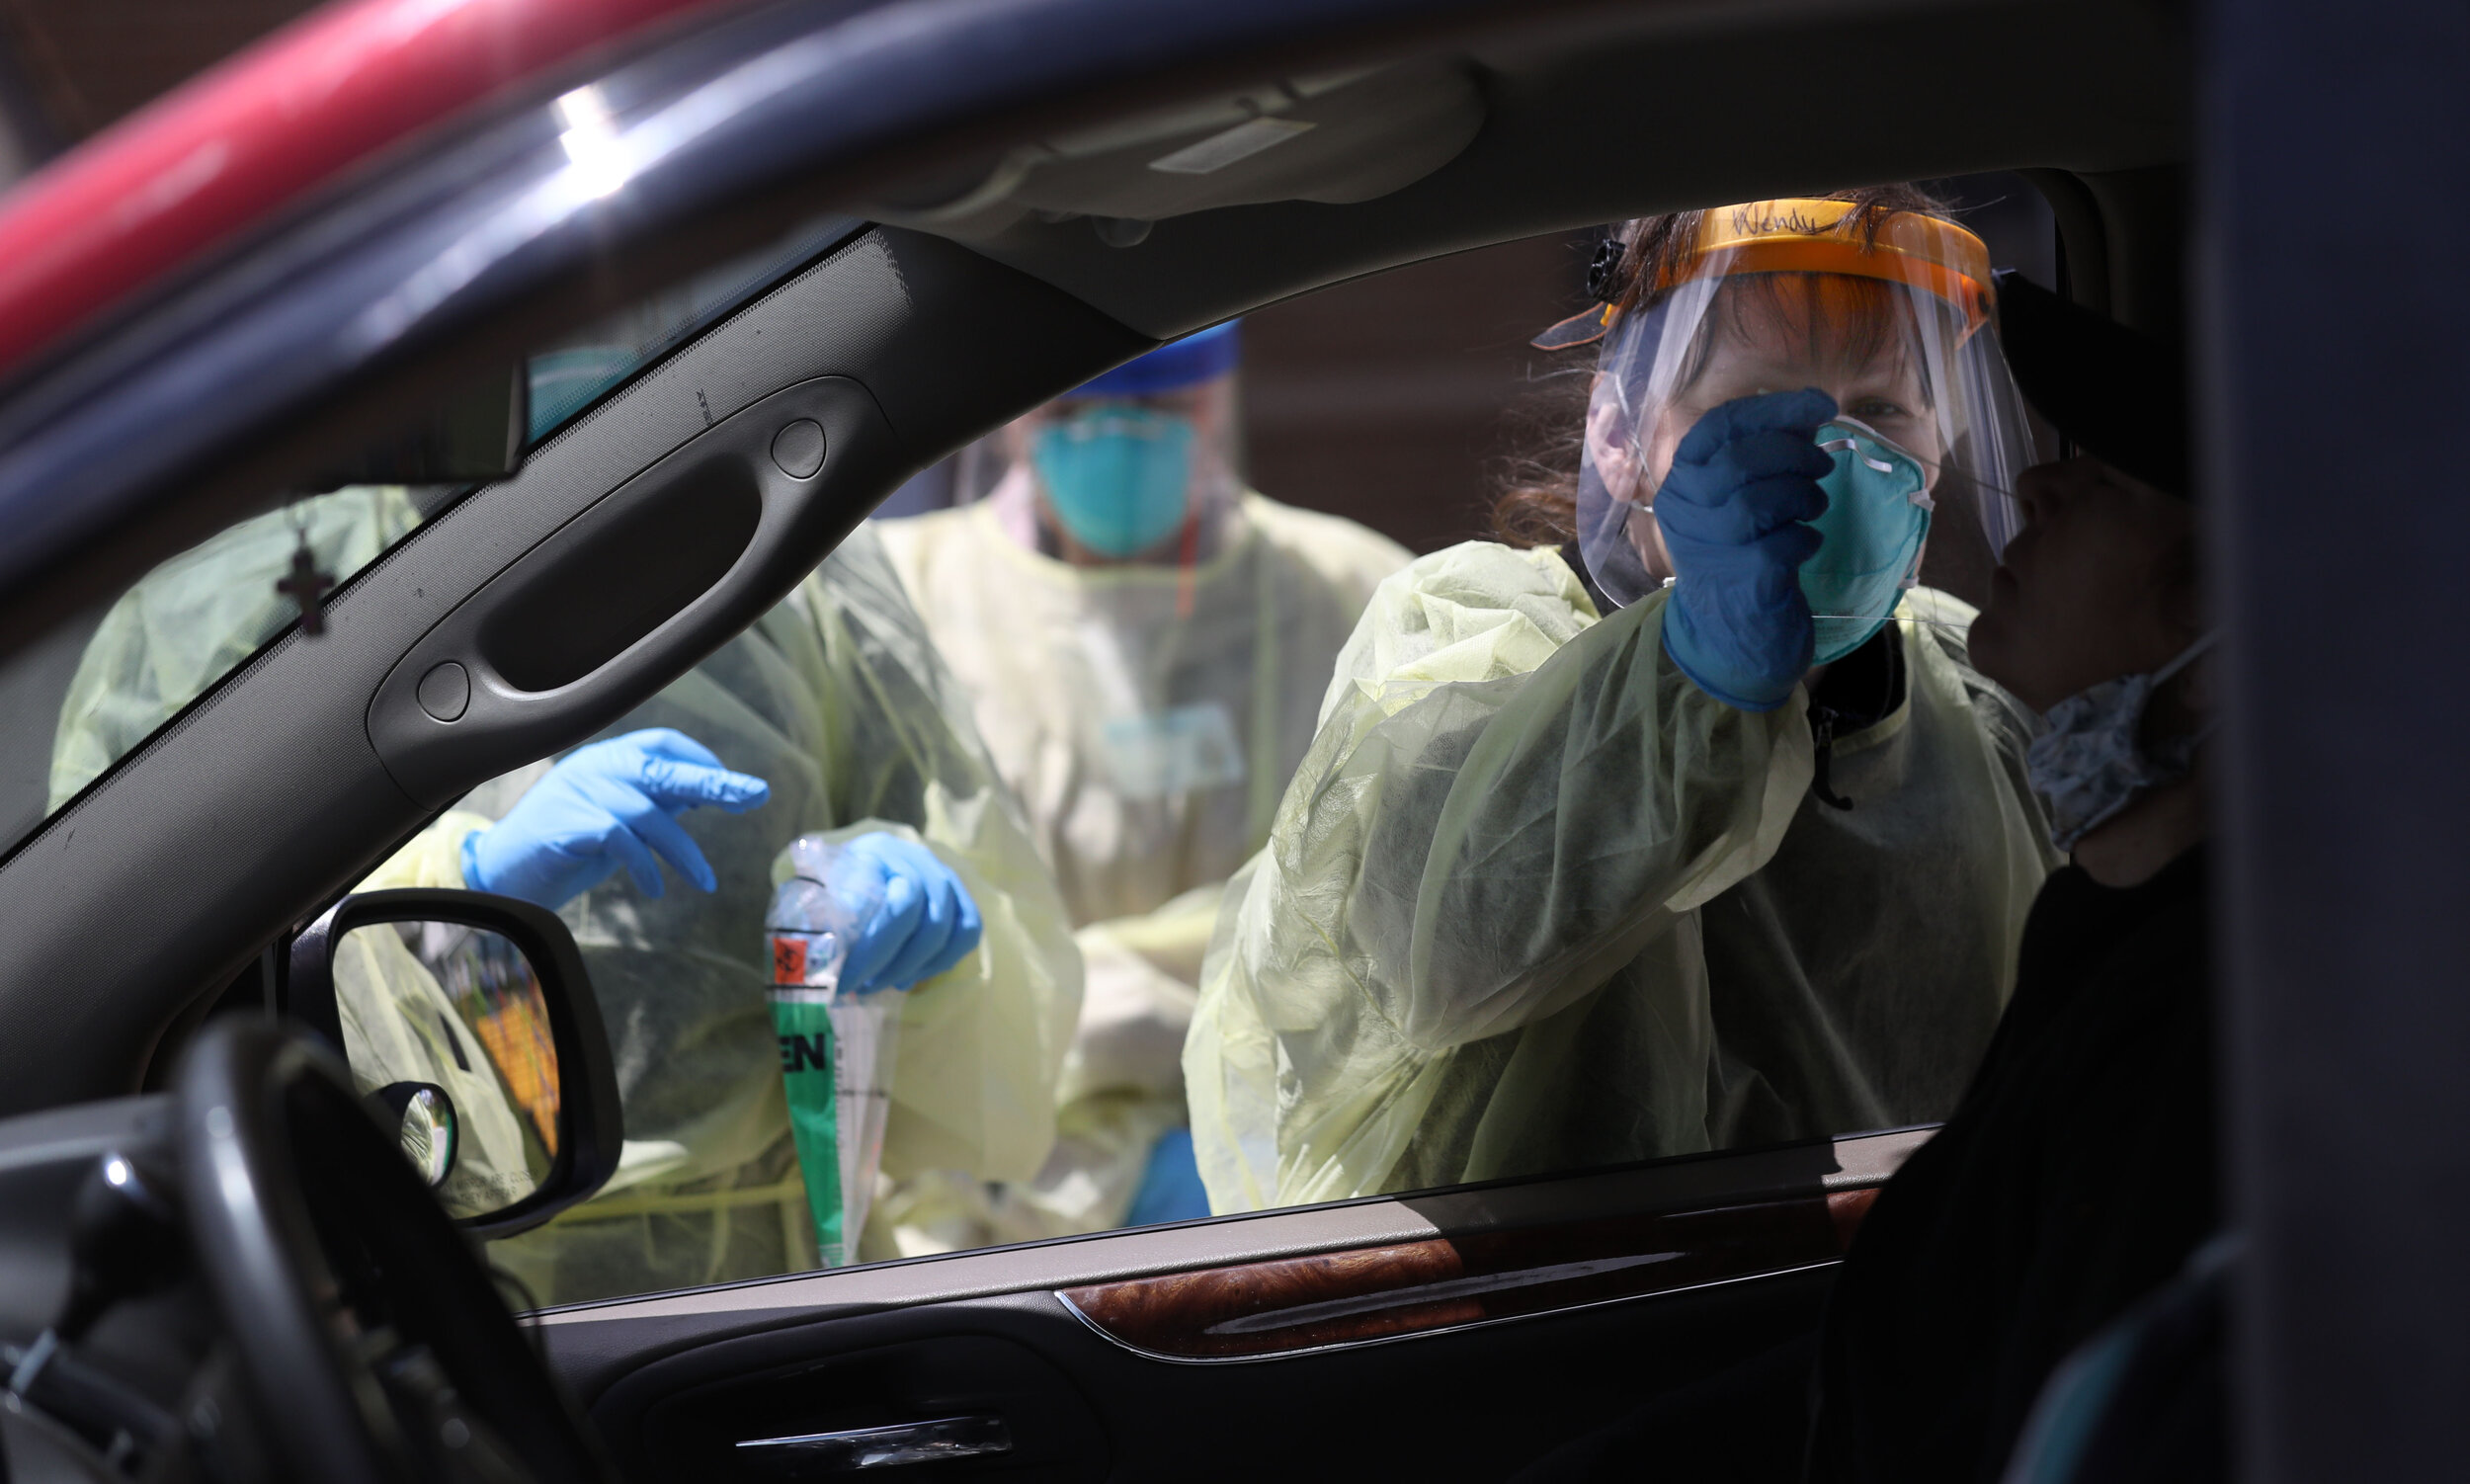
[
  {"x": 2091, "y": 762},
  {"x": 1876, "y": 522},
  {"x": 1118, "y": 476}
]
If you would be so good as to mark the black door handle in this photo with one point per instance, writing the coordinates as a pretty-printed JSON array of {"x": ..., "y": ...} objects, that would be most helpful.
[{"x": 824, "y": 1455}]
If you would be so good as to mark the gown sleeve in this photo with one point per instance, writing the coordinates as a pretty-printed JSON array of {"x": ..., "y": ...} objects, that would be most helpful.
[{"x": 1508, "y": 801}]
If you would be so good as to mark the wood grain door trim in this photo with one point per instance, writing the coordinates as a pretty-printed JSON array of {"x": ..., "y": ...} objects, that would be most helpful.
[{"x": 1267, "y": 1310}]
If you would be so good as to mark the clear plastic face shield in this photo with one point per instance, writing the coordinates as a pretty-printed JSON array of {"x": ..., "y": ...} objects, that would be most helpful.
[{"x": 1929, "y": 435}]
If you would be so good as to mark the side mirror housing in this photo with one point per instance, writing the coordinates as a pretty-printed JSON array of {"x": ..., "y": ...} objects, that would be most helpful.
[{"x": 470, "y": 1024}]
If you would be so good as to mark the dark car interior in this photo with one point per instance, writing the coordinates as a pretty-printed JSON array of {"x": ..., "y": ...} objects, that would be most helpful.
[{"x": 999, "y": 249}]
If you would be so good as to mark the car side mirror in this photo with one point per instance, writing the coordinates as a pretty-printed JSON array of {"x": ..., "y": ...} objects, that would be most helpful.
[{"x": 471, "y": 1029}]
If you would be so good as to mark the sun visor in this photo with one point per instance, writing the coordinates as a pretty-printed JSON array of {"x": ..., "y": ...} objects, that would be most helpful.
[{"x": 1336, "y": 138}]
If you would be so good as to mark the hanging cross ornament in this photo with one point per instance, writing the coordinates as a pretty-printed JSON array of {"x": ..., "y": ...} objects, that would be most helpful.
[{"x": 307, "y": 587}]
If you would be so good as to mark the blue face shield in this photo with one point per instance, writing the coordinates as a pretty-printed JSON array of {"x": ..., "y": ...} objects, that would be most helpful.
[
  {"x": 1877, "y": 516},
  {"x": 1118, "y": 477}
]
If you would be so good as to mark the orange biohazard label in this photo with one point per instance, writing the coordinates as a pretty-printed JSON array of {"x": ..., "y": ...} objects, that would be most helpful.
[{"x": 788, "y": 959}]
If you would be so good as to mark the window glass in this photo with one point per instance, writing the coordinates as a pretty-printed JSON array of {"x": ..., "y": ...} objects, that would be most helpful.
[
  {"x": 1531, "y": 900},
  {"x": 1279, "y": 772},
  {"x": 102, "y": 684},
  {"x": 812, "y": 1080}
]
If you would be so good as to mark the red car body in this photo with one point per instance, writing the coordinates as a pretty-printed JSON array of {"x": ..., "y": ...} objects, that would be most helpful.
[{"x": 321, "y": 99}]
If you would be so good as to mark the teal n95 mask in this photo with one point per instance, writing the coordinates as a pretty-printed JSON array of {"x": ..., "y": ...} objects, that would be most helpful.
[
  {"x": 1876, "y": 520},
  {"x": 1118, "y": 477}
]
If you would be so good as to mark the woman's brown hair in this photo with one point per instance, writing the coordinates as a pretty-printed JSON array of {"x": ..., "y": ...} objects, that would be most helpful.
[{"x": 1537, "y": 503}]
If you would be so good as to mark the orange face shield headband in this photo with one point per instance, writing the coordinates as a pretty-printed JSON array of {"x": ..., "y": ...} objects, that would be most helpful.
[{"x": 1795, "y": 234}]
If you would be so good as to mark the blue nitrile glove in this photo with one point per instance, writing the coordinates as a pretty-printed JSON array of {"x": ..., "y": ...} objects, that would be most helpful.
[
  {"x": 609, "y": 804},
  {"x": 915, "y": 919},
  {"x": 1734, "y": 514},
  {"x": 1171, "y": 1187}
]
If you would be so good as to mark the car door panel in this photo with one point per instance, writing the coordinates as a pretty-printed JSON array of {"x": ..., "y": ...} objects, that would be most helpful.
[
  {"x": 1292, "y": 1305},
  {"x": 1586, "y": 1317},
  {"x": 778, "y": 1387},
  {"x": 1463, "y": 1404}
]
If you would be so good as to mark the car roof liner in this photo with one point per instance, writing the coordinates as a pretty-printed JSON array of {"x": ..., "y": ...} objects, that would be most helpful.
[
  {"x": 1667, "y": 108},
  {"x": 1336, "y": 138}
]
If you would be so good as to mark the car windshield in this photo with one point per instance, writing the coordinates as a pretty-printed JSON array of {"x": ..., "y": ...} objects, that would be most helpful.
[{"x": 99, "y": 685}]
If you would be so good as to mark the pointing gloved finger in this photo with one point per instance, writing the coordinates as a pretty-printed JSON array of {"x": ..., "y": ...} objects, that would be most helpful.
[
  {"x": 668, "y": 742},
  {"x": 1796, "y": 411},
  {"x": 563, "y": 838},
  {"x": 677, "y": 785}
]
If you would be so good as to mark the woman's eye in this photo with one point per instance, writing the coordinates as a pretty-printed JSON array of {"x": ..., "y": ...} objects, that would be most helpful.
[{"x": 1873, "y": 409}]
